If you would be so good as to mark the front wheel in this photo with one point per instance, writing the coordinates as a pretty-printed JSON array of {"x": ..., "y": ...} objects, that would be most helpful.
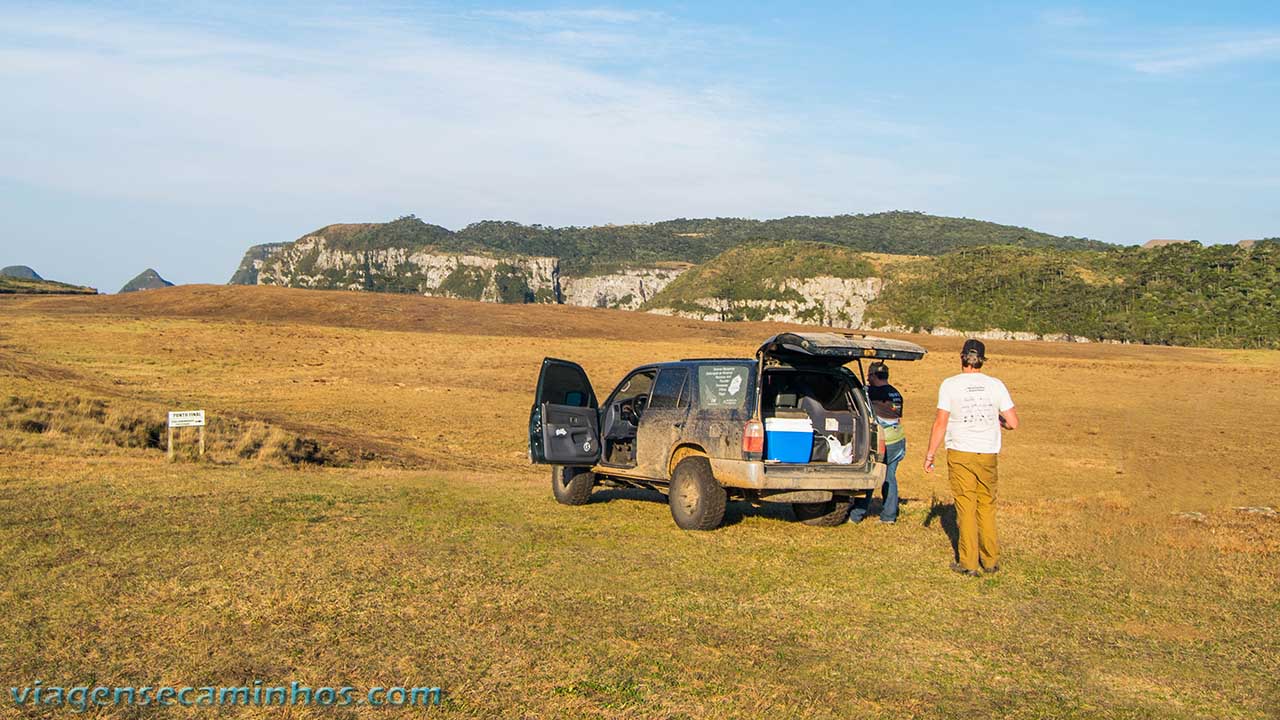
[
  {"x": 572, "y": 485},
  {"x": 823, "y": 514},
  {"x": 697, "y": 500}
]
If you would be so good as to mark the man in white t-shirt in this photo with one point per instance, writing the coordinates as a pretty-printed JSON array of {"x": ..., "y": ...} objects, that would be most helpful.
[{"x": 972, "y": 407}]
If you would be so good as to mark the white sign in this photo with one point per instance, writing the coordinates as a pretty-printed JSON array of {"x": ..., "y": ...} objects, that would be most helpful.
[{"x": 186, "y": 418}]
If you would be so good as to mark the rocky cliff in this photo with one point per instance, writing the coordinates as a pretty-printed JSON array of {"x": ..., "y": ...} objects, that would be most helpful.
[
  {"x": 315, "y": 262},
  {"x": 821, "y": 300},
  {"x": 379, "y": 258},
  {"x": 251, "y": 264},
  {"x": 626, "y": 289}
]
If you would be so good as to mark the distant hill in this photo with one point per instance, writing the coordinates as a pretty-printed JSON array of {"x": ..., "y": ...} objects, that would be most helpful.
[
  {"x": 146, "y": 280},
  {"x": 10, "y": 285},
  {"x": 20, "y": 272},
  {"x": 22, "y": 280}
]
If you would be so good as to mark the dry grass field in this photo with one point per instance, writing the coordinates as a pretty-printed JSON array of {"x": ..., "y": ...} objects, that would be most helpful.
[{"x": 366, "y": 516}]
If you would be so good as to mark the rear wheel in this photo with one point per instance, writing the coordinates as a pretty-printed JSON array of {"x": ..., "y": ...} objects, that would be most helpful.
[
  {"x": 823, "y": 514},
  {"x": 697, "y": 500},
  {"x": 571, "y": 484}
]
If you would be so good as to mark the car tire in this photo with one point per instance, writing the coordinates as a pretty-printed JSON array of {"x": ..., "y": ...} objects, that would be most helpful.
[
  {"x": 697, "y": 500},
  {"x": 824, "y": 514},
  {"x": 571, "y": 484}
]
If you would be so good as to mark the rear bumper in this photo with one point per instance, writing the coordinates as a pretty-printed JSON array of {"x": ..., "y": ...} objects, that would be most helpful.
[{"x": 756, "y": 475}]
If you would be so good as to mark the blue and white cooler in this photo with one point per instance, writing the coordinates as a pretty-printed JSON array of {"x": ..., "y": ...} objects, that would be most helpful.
[{"x": 788, "y": 439}]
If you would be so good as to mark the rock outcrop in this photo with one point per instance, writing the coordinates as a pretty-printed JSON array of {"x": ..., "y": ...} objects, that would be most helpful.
[
  {"x": 146, "y": 280},
  {"x": 823, "y": 300},
  {"x": 988, "y": 334},
  {"x": 626, "y": 289},
  {"x": 312, "y": 262},
  {"x": 251, "y": 264}
]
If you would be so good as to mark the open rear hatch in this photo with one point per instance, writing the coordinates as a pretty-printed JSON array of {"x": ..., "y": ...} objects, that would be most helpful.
[
  {"x": 833, "y": 349},
  {"x": 811, "y": 357}
]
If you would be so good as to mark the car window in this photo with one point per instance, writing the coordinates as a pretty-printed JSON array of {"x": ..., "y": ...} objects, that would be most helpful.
[
  {"x": 565, "y": 384},
  {"x": 723, "y": 387},
  {"x": 668, "y": 388},
  {"x": 636, "y": 384}
]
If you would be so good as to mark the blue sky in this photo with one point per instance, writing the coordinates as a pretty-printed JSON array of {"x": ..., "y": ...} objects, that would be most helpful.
[{"x": 144, "y": 134}]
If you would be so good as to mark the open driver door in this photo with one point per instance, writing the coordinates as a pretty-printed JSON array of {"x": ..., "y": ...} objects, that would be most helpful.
[{"x": 564, "y": 422}]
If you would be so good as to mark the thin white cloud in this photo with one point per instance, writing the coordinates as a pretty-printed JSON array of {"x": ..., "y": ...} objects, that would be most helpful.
[
  {"x": 556, "y": 18},
  {"x": 612, "y": 35},
  {"x": 392, "y": 115},
  {"x": 1158, "y": 51},
  {"x": 1206, "y": 54},
  {"x": 1068, "y": 18}
]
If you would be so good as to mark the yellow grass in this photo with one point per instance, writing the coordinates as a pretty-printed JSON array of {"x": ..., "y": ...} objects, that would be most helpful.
[{"x": 434, "y": 554}]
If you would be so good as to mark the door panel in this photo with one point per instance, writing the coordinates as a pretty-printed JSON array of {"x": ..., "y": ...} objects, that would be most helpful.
[
  {"x": 564, "y": 420},
  {"x": 663, "y": 421},
  {"x": 570, "y": 435}
]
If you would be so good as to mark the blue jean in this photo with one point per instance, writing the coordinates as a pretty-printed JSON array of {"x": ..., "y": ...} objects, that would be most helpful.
[{"x": 893, "y": 455}]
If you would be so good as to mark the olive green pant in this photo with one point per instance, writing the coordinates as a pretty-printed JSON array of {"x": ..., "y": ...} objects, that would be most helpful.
[{"x": 973, "y": 482}]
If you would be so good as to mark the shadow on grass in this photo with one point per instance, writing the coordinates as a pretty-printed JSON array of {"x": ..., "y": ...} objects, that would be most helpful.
[
  {"x": 945, "y": 514},
  {"x": 875, "y": 507},
  {"x": 734, "y": 513}
]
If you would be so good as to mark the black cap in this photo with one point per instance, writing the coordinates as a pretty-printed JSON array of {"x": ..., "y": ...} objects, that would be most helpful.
[
  {"x": 974, "y": 347},
  {"x": 878, "y": 368}
]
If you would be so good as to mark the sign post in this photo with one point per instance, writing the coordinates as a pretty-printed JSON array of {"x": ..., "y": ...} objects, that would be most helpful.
[{"x": 186, "y": 418}]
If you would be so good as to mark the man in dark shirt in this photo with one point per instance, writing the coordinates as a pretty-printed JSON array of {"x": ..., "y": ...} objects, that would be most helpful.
[{"x": 886, "y": 403}]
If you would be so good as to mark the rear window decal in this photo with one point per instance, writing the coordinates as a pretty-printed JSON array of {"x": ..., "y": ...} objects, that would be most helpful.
[{"x": 721, "y": 386}]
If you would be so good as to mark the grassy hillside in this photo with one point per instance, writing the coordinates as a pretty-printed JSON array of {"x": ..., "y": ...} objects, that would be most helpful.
[
  {"x": 759, "y": 271},
  {"x": 1132, "y": 585},
  {"x": 1185, "y": 294},
  {"x": 23, "y": 286},
  {"x": 406, "y": 232},
  {"x": 697, "y": 240}
]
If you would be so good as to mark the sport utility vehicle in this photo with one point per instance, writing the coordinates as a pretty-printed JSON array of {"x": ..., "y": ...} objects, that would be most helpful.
[{"x": 695, "y": 429}]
